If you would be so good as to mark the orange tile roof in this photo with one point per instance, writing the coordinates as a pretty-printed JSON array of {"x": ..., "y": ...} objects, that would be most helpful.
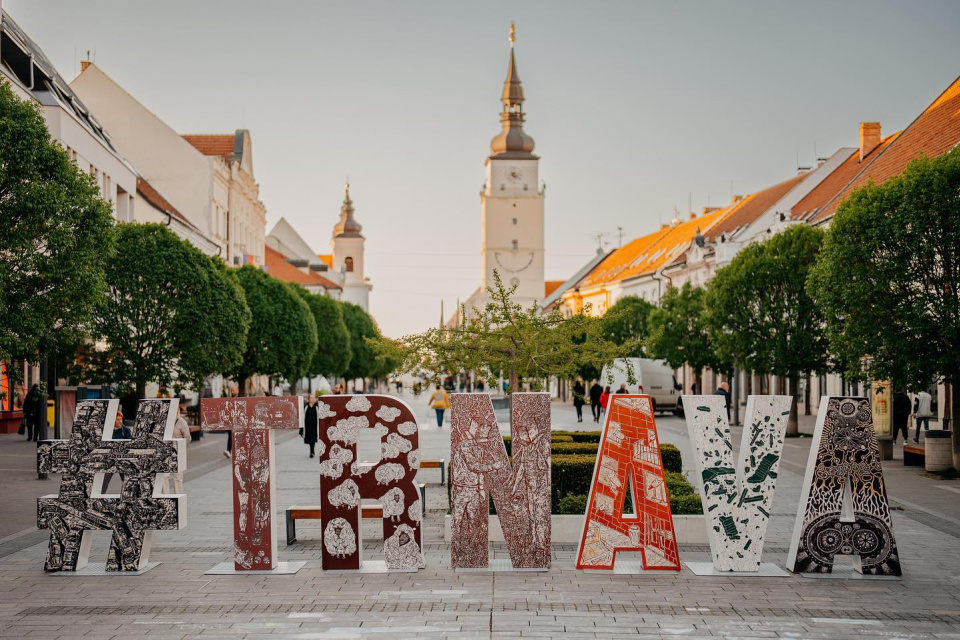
[
  {"x": 836, "y": 181},
  {"x": 649, "y": 253},
  {"x": 278, "y": 267},
  {"x": 550, "y": 286},
  {"x": 752, "y": 207},
  {"x": 213, "y": 144},
  {"x": 151, "y": 195},
  {"x": 327, "y": 259},
  {"x": 932, "y": 133}
]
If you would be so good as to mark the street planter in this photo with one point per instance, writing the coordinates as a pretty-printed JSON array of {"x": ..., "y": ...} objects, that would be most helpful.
[
  {"x": 938, "y": 450},
  {"x": 10, "y": 421},
  {"x": 567, "y": 529}
]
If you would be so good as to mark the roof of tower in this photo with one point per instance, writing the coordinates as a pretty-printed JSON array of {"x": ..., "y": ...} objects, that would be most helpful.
[
  {"x": 512, "y": 141},
  {"x": 347, "y": 227}
]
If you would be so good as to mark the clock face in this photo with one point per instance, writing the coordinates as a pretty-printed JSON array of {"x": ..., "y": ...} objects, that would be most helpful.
[{"x": 514, "y": 174}]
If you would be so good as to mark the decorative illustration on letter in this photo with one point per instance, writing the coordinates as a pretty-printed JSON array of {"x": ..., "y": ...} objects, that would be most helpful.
[
  {"x": 254, "y": 484},
  {"x": 736, "y": 501},
  {"x": 629, "y": 456},
  {"x": 480, "y": 466},
  {"x": 132, "y": 515},
  {"x": 844, "y": 461},
  {"x": 344, "y": 480}
]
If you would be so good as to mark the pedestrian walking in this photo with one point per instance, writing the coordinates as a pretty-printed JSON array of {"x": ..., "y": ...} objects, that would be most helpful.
[
  {"x": 311, "y": 423},
  {"x": 31, "y": 412},
  {"x": 440, "y": 401},
  {"x": 578, "y": 399},
  {"x": 180, "y": 430},
  {"x": 724, "y": 390},
  {"x": 922, "y": 411},
  {"x": 120, "y": 432},
  {"x": 604, "y": 399},
  {"x": 595, "y": 392},
  {"x": 901, "y": 414},
  {"x": 623, "y": 388},
  {"x": 640, "y": 389}
]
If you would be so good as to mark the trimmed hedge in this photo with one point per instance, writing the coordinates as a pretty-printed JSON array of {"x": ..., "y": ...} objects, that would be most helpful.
[
  {"x": 554, "y": 439},
  {"x": 573, "y": 505},
  {"x": 672, "y": 461},
  {"x": 573, "y": 448}
]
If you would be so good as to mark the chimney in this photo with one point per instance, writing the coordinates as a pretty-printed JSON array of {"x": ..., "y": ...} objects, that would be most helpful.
[
  {"x": 693, "y": 216},
  {"x": 735, "y": 199},
  {"x": 84, "y": 64},
  {"x": 869, "y": 138},
  {"x": 707, "y": 210}
]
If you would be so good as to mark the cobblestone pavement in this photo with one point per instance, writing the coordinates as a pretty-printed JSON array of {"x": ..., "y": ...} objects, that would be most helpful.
[{"x": 176, "y": 599}]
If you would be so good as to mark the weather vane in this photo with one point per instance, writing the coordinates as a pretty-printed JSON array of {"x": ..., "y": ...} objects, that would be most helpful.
[{"x": 513, "y": 34}]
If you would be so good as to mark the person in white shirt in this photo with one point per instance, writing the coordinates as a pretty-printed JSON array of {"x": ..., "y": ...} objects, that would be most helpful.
[
  {"x": 922, "y": 411},
  {"x": 180, "y": 430}
]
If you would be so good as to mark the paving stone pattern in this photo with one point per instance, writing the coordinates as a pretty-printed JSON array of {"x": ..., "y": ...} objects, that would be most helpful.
[{"x": 176, "y": 599}]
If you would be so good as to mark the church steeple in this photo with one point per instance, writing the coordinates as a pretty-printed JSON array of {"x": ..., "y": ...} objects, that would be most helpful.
[
  {"x": 512, "y": 142},
  {"x": 347, "y": 226}
]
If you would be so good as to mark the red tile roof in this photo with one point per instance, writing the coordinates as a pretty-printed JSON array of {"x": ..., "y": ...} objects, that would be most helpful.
[
  {"x": 151, "y": 195},
  {"x": 752, "y": 207},
  {"x": 933, "y": 133},
  {"x": 213, "y": 144},
  {"x": 278, "y": 267},
  {"x": 836, "y": 181},
  {"x": 550, "y": 286}
]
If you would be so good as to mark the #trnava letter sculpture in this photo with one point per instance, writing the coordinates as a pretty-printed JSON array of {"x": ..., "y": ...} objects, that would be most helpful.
[
  {"x": 737, "y": 501},
  {"x": 628, "y": 457},
  {"x": 252, "y": 421},
  {"x": 344, "y": 481},
  {"x": 480, "y": 467},
  {"x": 137, "y": 511},
  {"x": 843, "y": 504}
]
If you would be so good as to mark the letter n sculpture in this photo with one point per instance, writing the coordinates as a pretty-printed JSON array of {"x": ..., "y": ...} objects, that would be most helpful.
[
  {"x": 480, "y": 468},
  {"x": 843, "y": 502},
  {"x": 628, "y": 458},
  {"x": 736, "y": 500},
  {"x": 132, "y": 515},
  {"x": 344, "y": 482},
  {"x": 252, "y": 421}
]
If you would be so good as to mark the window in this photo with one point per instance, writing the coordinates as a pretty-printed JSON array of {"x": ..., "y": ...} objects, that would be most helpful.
[
  {"x": 349, "y": 264},
  {"x": 514, "y": 221},
  {"x": 514, "y": 244}
]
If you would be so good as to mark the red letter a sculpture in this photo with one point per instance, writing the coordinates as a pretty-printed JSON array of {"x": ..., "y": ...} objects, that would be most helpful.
[
  {"x": 480, "y": 466},
  {"x": 629, "y": 456}
]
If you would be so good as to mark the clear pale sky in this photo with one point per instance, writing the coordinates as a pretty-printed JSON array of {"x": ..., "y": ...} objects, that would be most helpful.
[{"x": 636, "y": 107}]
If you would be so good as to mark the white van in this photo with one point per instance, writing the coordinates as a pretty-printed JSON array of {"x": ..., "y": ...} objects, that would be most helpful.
[{"x": 655, "y": 376}]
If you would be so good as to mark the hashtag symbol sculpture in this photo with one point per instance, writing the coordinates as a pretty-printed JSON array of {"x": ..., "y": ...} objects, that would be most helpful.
[{"x": 132, "y": 515}]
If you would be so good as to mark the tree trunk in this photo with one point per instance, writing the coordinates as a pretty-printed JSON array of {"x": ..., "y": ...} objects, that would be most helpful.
[
  {"x": 141, "y": 389},
  {"x": 293, "y": 387},
  {"x": 793, "y": 425},
  {"x": 242, "y": 386},
  {"x": 806, "y": 396}
]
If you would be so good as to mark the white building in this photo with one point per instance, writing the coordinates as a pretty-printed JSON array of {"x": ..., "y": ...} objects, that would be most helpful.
[
  {"x": 290, "y": 258},
  {"x": 345, "y": 259},
  {"x": 207, "y": 178}
]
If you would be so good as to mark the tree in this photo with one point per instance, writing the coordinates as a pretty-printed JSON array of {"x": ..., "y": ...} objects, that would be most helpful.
[
  {"x": 55, "y": 241},
  {"x": 627, "y": 320},
  {"x": 888, "y": 279},
  {"x": 332, "y": 356},
  {"x": 283, "y": 335},
  {"x": 171, "y": 314},
  {"x": 363, "y": 358},
  {"x": 678, "y": 332},
  {"x": 759, "y": 314},
  {"x": 505, "y": 339}
]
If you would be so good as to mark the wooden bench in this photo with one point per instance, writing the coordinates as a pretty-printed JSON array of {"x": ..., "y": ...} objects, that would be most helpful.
[
  {"x": 436, "y": 464},
  {"x": 312, "y": 512},
  {"x": 914, "y": 455}
]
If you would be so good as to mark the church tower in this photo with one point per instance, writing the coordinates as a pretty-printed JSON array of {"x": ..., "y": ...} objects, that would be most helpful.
[
  {"x": 512, "y": 203},
  {"x": 347, "y": 249}
]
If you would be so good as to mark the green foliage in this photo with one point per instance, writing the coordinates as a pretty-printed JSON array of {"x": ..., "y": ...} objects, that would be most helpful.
[
  {"x": 759, "y": 314},
  {"x": 171, "y": 314},
  {"x": 55, "y": 241},
  {"x": 504, "y": 338},
  {"x": 283, "y": 335},
  {"x": 626, "y": 322},
  {"x": 670, "y": 455},
  {"x": 570, "y": 474},
  {"x": 677, "y": 484},
  {"x": 686, "y": 505},
  {"x": 678, "y": 331},
  {"x": 363, "y": 359},
  {"x": 333, "y": 338},
  {"x": 571, "y": 448},
  {"x": 560, "y": 438},
  {"x": 572, "y": 504},
  {"x": 888, "y": 277},
  {"x": 579, "y": 436}
]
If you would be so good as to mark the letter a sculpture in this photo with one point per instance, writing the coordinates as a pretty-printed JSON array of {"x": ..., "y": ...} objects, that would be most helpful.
[
  {"x": 480, "y": 467},
  {"x": 252, "y": 421},
  {"x": 629, "y": 457},
  {"x": 737, "y": 501},
  {"x": 140, "y": 508},
  {"x": 843, "y": 504},
  {"x": 344, "y": 481}
]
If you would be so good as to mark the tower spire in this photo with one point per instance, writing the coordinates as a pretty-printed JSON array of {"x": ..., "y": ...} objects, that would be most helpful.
[{"x": 512, "y": 140}]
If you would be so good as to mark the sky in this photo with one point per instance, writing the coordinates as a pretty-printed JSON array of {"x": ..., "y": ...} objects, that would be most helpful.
[{"x": 638, "y": 109}]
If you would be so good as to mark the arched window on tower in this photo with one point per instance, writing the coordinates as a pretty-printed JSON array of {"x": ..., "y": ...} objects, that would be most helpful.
[{"x": 349, "y": 264}]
